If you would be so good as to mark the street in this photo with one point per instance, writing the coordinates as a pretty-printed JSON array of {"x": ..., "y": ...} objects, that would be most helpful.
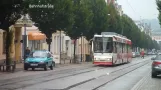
[{"x": 132, "y": 76}]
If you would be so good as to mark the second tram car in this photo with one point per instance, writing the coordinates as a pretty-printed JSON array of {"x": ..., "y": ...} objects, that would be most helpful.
[{"x": 111, "y": 48}]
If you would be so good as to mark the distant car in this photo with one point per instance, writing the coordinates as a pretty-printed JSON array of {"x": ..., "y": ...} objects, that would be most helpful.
[
  {"x": 39, "y": 59},
  {"x": 137, "y": 54},
  {"x": 149, "y": 53},
  {"x": 156, "y": 66},
  {"x": 133, "y": 54}
]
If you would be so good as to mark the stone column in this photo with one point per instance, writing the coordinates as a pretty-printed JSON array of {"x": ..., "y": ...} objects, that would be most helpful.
[
  {"x": 18, "y": 37},
  {"x": 12, "y": 47}
]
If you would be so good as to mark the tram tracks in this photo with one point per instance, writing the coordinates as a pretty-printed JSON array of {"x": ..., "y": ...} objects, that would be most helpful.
[
  {"x": 86, "y": 71},
  {"x": 116, "y": 77},
  {"x": 106, "y": 78},
  {"x": 37, "y": 77}
]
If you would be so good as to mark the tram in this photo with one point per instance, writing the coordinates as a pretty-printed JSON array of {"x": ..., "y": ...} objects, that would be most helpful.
[{"x": 111, "y": 48}]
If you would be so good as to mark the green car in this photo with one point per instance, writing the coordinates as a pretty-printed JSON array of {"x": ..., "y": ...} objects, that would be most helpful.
[{"x": 39, "y": 59}]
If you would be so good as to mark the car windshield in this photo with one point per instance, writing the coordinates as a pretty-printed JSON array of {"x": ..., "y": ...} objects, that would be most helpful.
[
  {"x": 158, "y": 57},
  {"x": 38, "y": 54}
]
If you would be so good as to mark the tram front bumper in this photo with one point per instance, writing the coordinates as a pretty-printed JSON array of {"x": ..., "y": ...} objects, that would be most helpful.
[{"x": 102, "y": 63}]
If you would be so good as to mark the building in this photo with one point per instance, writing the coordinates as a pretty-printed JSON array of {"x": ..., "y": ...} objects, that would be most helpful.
[
  {"x": 35, "y": 39},
  {"x": 119, "y": 9},
  {"x": 144, "y": 27},
  {"x": 62, "y": 42},
  {"x": 140, "y": 25},
  {"x": 2, "y": 44},
  {"x": 156, "y": 38}
]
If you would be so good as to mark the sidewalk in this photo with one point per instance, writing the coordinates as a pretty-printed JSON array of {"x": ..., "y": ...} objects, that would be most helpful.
[{"x": 19, "y": 66}]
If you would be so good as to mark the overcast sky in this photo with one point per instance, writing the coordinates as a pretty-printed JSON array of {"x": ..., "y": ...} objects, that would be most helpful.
[{"x": 139, "y": 9}]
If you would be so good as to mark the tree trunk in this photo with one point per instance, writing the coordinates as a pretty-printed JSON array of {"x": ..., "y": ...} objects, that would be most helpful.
[
  {"x": 74, "y": 60},
  {"x": 49, "y": 43},
  {"x": 49, "y": 46},
  {"x": 8, "y": 44}
]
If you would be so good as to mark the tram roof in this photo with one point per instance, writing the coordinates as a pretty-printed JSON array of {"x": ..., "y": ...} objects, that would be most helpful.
[{"x": 118, "y": 36}]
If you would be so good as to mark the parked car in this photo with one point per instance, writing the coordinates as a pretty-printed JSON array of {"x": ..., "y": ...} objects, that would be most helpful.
[
  {"x": 156, "y": 66},
  {"x": 39, "y": 59},
  {"x": 137, "y": 54},
  {"x": 133, "y": 54},
  {"x": 149, "y": 53}
]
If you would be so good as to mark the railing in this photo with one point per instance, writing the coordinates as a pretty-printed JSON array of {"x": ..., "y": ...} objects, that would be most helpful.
[{"x": 3, "y": 66}]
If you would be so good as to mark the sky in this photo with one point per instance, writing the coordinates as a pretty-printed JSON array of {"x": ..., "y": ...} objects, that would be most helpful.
[{"x": 139, "y": 9}]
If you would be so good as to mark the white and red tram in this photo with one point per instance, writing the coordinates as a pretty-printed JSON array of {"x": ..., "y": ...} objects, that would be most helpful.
[{"x": 111, "y": 48}]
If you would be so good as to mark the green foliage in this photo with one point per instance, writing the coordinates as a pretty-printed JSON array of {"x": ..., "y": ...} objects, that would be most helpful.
[
  {"x": 99, "y": 20},
  {"x": 114, "y": 20},
  {"x": 10, "y": 12},
  {"x": 159, "y": 9},
  {"x": 126, "y": 26},
  {"x": 49, "y": 20},
  {"x": 82, "y": 19},
  {"x": 86, "y": 17}
]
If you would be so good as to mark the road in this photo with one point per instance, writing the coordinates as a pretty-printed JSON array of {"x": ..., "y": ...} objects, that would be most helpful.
[{"x": 131, "y": 76}]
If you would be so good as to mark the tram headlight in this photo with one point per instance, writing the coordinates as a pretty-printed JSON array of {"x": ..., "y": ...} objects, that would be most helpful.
[{"x": 109, "y": 59}]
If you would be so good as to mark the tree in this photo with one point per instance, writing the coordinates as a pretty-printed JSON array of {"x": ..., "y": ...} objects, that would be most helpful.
[
  {"x": 99, "y": 20},
  {"x": 158, "y": 2},
  {"x": 49, "y": 20},
  {"x": 114, "y": 20},
  {"x": 11, "y": 11},
  {"x": 82, "y": 21}
]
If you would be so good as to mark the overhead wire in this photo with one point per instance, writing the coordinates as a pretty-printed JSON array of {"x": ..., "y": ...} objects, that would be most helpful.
[{"x": 136, "y": 13}]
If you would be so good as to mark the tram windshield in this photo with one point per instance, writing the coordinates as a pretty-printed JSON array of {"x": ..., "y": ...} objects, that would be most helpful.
[{"x": 103, "y": 45}]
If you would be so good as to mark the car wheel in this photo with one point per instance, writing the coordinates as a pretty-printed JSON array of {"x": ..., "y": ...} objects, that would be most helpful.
[
  {"x": 25, "y": 68},
  {"x": 153, "y": 75},
  {"x": 51, "y": 67},
  {"x": 53, "y": 64},
  {"x": 46, "y": 67}
]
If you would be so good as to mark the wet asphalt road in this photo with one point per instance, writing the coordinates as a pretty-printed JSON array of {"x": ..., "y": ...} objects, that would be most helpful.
[{"x": 84, "y": 77}]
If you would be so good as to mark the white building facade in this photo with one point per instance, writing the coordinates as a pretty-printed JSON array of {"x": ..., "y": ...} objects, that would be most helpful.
[{"x": 62, "y": 42}]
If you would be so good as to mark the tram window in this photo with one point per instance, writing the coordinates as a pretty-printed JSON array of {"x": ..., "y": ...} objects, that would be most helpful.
[{"x": 114, "y": 47}]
